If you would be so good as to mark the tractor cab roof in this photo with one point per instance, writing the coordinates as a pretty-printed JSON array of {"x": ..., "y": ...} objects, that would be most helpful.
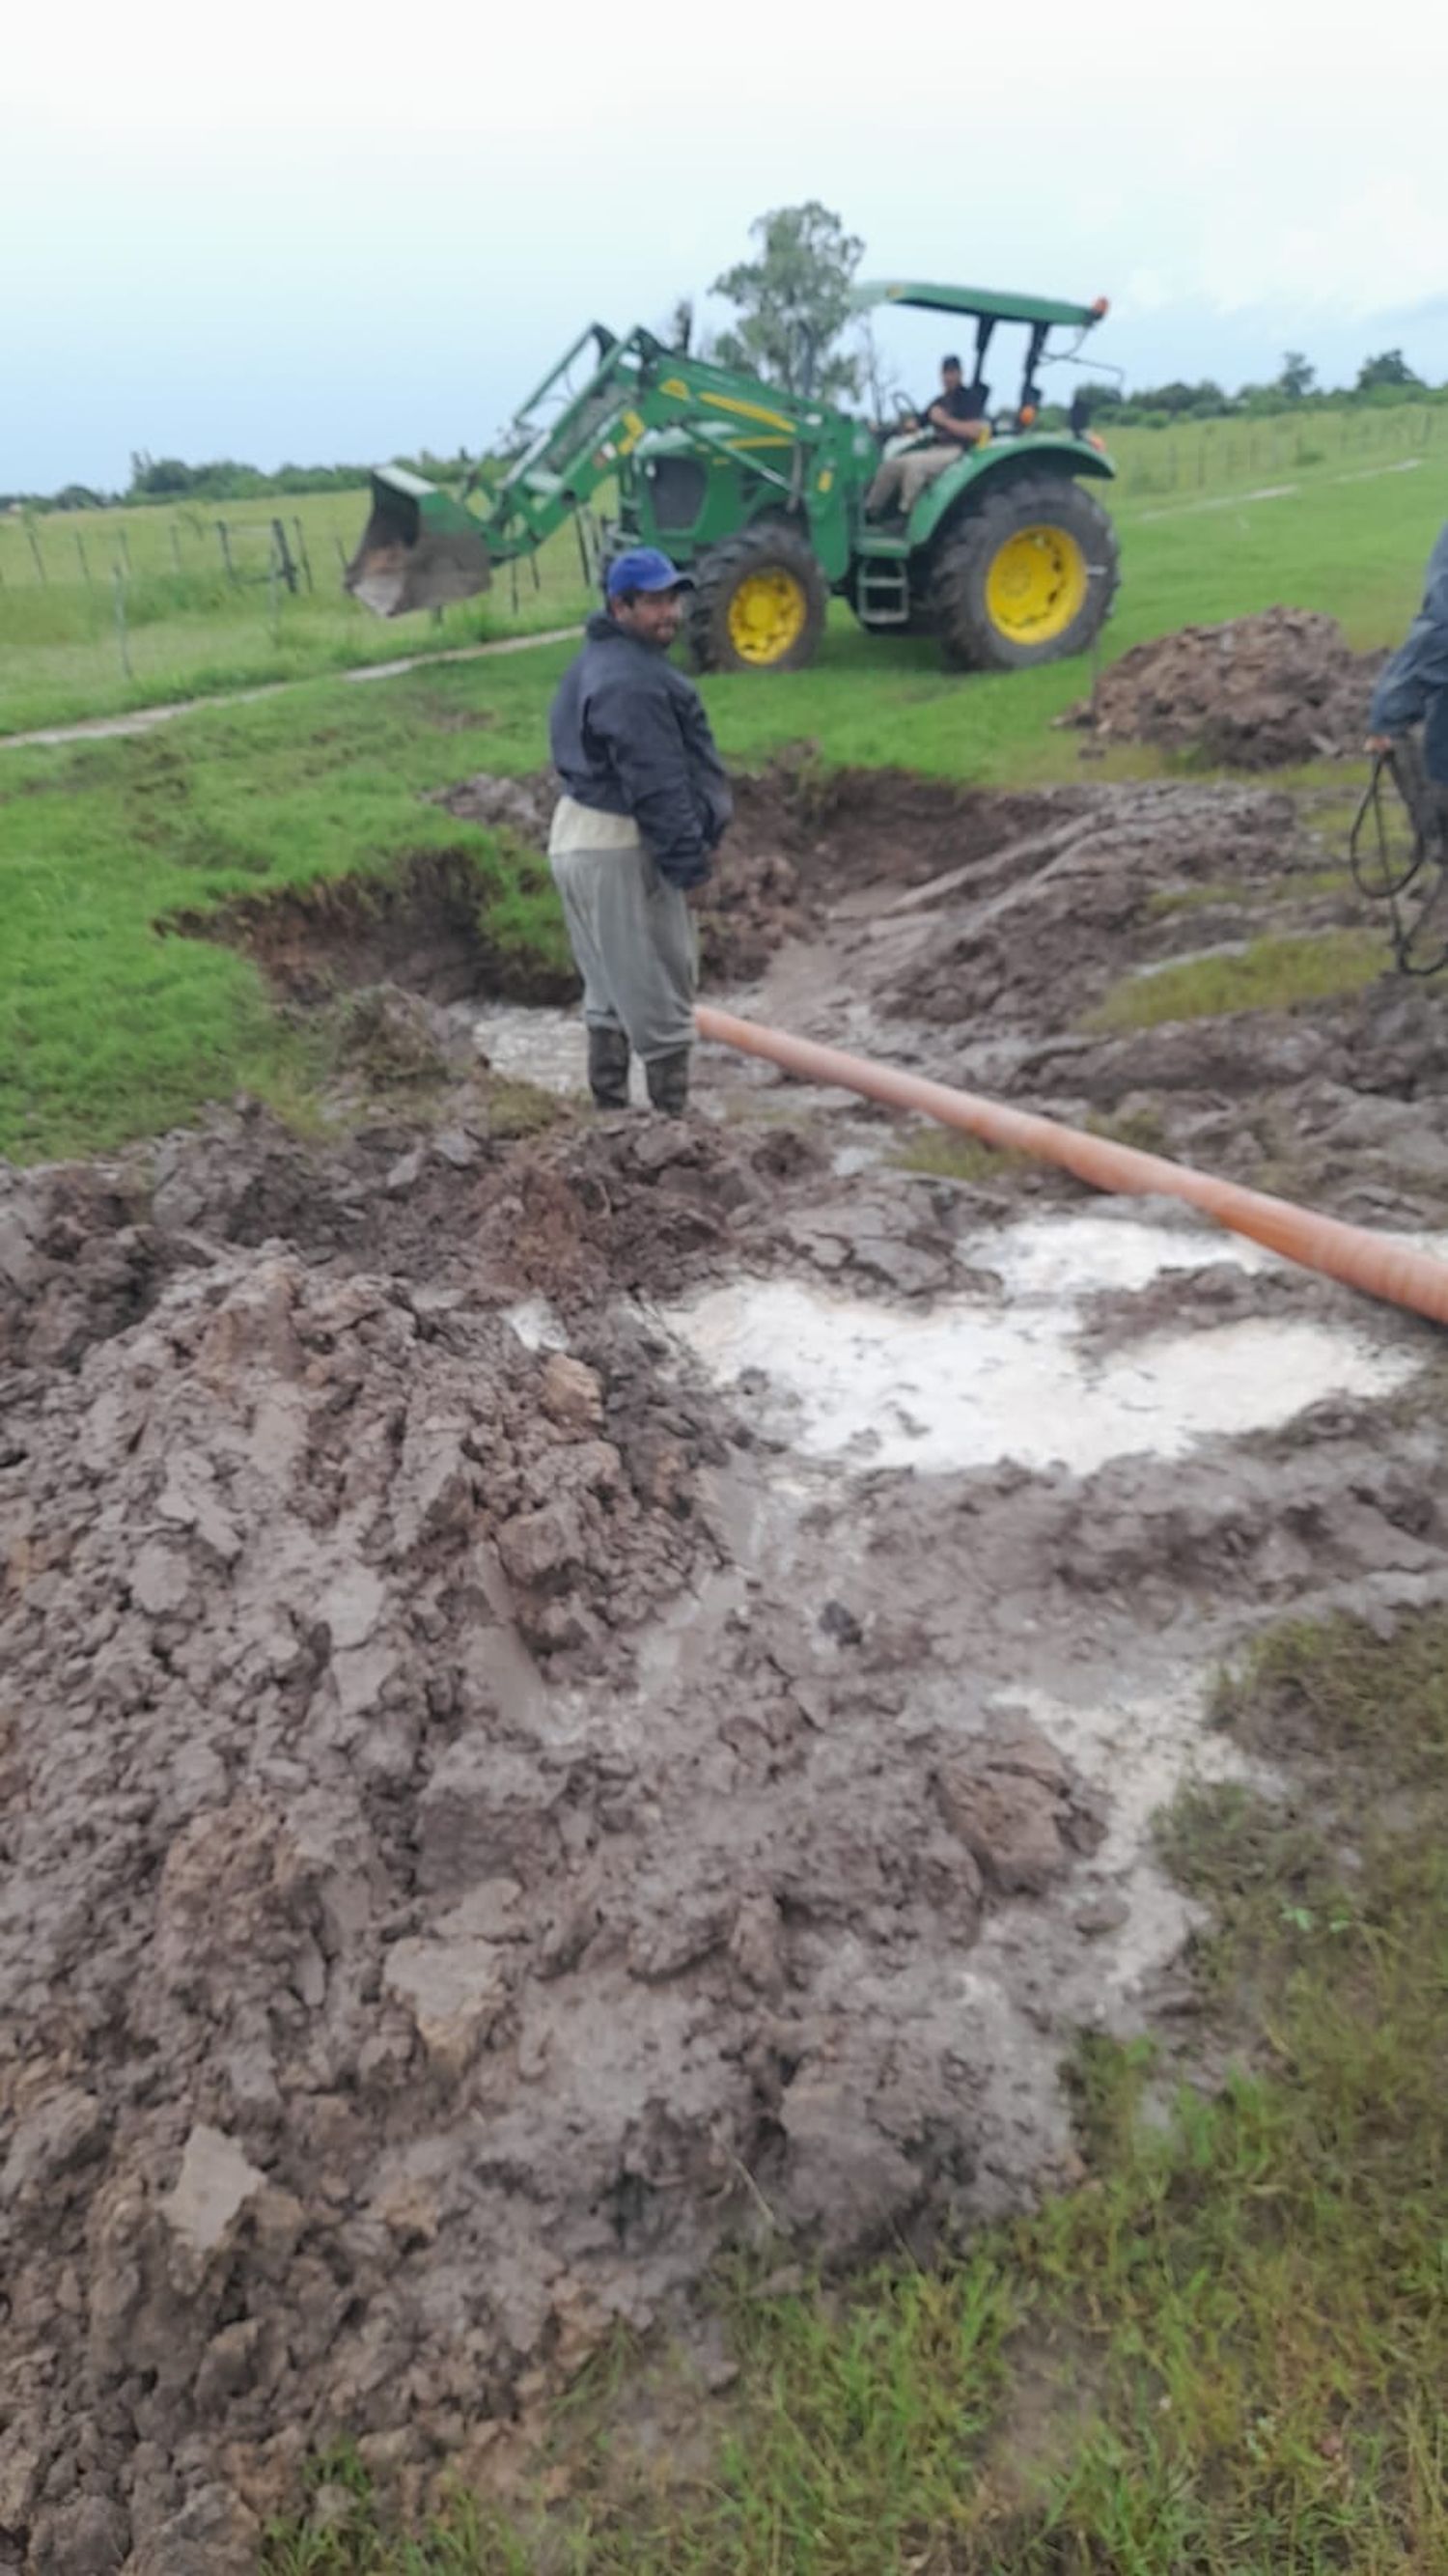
[{"x": 980, "y": 304}]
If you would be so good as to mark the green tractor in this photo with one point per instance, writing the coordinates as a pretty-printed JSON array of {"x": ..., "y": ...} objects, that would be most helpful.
[{"x": 1005, "y": 556}]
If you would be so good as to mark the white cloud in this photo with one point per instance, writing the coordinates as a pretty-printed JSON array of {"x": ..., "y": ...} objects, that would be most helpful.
[{"x": 349, "y": 230}]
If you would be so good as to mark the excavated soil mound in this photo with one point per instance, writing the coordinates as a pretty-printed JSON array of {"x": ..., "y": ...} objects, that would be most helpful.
[
  {"x": 392, "y": 1998},
  {"x": 1256, "y": 693}
]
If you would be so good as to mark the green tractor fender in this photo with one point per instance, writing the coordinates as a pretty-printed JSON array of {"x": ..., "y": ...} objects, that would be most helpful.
[{"x": 987, "y": 468}]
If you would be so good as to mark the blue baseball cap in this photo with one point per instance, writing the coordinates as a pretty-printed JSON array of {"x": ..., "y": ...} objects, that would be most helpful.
[{"x": 644, "y": 568}]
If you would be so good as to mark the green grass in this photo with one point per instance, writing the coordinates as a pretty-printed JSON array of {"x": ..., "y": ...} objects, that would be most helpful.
[
  {"x": 193, "y": 630},
  {"x": 108, "y": 1030},
  {"x": 948, "y": 1156},
  {"x": 1269, "y": 974},
  {"x": 1225, "y": 2355}
]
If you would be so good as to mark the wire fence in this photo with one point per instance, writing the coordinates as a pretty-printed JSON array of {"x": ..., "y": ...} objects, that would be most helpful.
[
  {"x": 104, "y": 609},
  {"x": 1202, "y": 455}
]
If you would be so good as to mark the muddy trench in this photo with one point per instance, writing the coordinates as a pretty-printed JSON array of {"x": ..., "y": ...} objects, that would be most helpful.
[{"x": 576, "y": 1702}]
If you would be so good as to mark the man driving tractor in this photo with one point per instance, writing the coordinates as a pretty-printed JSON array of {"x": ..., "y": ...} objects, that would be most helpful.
[{"x": 956, "y": 420}]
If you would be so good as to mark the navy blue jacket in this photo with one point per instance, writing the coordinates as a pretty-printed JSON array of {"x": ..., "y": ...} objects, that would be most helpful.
[
  {"x": 1414, "y": 686},
  {"x": 629, "y": 736}
]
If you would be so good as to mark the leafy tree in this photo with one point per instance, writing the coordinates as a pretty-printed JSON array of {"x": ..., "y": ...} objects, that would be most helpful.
[
  {"x": 1390, "y": 367},
  {"x": 1297, "y": 378},
  {"x": 794, "y": 303}
]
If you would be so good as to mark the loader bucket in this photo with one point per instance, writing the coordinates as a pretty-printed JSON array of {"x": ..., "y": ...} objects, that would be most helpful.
[{"x": 420, "y": 549}]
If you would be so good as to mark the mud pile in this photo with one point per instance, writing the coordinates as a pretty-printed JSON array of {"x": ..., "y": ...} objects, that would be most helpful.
[
  {"x": 401, "y": 1983},
  {"x": 1256, "y": 693}
]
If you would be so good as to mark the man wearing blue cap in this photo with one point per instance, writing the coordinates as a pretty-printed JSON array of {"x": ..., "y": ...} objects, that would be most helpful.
[{"x": 644, "y": 806}]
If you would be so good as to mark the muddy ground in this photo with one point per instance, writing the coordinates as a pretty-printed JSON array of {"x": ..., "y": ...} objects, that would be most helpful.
[
  {"x": 510, "y": 1785},
  {"x": 1255, "y": 693}
]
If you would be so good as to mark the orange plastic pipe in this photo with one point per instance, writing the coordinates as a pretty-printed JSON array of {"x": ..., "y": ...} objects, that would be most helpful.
[{"x": 1365, "y": 1260}]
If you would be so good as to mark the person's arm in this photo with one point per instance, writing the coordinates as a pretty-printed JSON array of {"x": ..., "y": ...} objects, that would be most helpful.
[
  {"x": 964, "y": 431},
  {"x": 1416, "y": 673},
  {"x": 1419, "y": 668},
  {"x": 644, "y": 743}
]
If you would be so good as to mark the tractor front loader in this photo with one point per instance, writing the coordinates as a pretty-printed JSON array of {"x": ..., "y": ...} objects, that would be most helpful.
[{"x": 763, "y": 497}]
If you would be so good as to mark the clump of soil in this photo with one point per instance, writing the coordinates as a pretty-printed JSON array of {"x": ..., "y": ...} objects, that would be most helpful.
[{"x": 1256, "y": 693}]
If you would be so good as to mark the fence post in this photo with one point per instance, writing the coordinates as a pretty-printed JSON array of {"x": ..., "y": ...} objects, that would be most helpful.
[
  {"x": 84, "y": 566},
  {"x": 118, "y": 584},
  {"x": 303, "y": 557},
  {"x": 282, "y": 556},
  {"x": 35, "y": 549},
  {"x": 221, "y": 530},
  {"x": 273, "y": 593},
  {"x": 125, "y": 551},
  {"x": 175, "y": 543}
]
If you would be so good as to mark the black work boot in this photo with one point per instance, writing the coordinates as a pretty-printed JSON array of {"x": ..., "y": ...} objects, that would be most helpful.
[
  {"x": 668, "y": 1080},
  {"x": 608, "y": 1062}
]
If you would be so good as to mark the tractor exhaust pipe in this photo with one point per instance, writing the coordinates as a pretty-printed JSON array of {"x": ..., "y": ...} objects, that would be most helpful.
[{"x": 419, "y": 549}]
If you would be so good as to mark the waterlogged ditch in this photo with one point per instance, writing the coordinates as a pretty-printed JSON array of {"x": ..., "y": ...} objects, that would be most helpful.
[
  {"x": 580, "y": 1703},
  {"x": 998, "y": 1372}
]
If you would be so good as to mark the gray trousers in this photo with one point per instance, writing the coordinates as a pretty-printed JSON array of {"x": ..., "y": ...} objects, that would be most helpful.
[
  {"x": 901, "y": 479},
  {"x": 633, "y": 941}
]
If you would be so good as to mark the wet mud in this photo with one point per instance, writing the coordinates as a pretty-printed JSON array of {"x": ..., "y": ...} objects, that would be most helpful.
[{"x": 572, "y": 1702}]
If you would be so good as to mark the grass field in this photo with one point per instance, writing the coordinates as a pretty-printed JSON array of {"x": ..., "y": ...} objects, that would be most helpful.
[
  {"x": 193, "y": 627},
  {"x": 198, "y": 619},
  {"x": 109, "y": 1031}
]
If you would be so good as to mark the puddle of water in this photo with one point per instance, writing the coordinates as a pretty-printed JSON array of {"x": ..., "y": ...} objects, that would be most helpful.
[
  {"x": 542, "y": 1046},
  {"x": 1141, "y": 1752},
  {"x": 965, "y": 1384}
]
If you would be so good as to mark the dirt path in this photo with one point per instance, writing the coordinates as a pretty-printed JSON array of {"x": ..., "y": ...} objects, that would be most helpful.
[
  {"x": 573, "y": 1703},
  {"x": 144, "y": 719}
]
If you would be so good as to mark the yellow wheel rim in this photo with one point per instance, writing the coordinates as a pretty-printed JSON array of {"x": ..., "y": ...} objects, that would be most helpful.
[
  {"x": 1035, "y": 586},
  {"x": 767, "y": 615}
]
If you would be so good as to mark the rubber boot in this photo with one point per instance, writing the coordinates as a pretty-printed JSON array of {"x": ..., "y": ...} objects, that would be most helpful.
[
  {"x": 668, "y": 1080},
  {"x": 608, "y": 1061}
]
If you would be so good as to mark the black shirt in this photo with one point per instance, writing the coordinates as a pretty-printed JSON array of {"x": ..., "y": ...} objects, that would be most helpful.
[{"x": 961, "y": 402}]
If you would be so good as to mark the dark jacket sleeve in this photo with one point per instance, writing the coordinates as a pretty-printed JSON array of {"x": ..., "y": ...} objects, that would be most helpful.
[
  {"x": 646, "y": 747},
  {"x": 1419, "y": 669}
]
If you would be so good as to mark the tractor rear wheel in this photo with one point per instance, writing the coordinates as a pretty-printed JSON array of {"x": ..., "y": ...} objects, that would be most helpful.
[
  {"x": 1028, "y": 577},
  {"x": 759, "y": 602}
]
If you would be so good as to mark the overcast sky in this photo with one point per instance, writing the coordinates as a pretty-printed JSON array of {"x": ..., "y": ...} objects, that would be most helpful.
[{"x": 345, "y": 233}]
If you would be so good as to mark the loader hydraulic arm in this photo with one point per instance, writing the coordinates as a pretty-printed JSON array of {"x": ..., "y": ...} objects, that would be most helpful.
[
  {"x": 638, "y": 385},
  {"x": 423, "y": 547}
]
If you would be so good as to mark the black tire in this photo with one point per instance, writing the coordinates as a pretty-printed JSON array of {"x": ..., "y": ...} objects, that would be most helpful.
[
  {"x": 770, "y": 553},
  {"x": 1073, "y": 588}
]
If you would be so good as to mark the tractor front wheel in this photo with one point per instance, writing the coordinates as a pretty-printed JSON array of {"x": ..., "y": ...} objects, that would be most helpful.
[
  {"x": 759, "y": 603},
  {"x": 1028, "y": 577}
]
